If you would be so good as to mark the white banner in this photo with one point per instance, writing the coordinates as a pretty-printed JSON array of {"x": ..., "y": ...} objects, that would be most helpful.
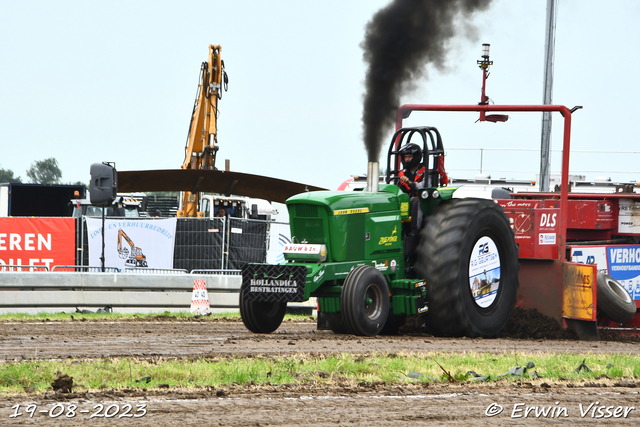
[
  {"x": 280, "y": 235},
  {"x": 132, "y": 243}
]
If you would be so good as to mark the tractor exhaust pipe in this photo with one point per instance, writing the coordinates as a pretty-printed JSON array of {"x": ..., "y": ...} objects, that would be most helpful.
[{"x": 373, "y": 176}]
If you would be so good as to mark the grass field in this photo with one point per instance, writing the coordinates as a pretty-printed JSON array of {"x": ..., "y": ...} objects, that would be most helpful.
[
  {"x": 391, "y": 368},
  {"x": 301, "y": 368}
]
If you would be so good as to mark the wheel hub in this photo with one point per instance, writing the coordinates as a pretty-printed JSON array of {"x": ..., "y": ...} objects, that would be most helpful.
[{"x": 373, "y": 302}]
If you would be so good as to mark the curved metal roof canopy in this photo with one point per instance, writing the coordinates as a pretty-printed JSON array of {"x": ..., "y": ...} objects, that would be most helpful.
[{"x": 211, "y": 181}]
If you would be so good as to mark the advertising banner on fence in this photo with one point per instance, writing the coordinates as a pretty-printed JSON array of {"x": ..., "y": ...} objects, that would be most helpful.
[
  {"x": 37, "y": 241},
  {"x": 624, "y": 266},
  {"x": 620, "y": 262},
  {"x": 130, "y": 243}
]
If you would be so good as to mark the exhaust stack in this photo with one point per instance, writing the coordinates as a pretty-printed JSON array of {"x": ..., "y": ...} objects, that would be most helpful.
[{"x": 373, "y": 176}]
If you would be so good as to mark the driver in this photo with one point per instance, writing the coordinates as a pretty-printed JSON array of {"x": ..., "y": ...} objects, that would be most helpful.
[{"x": 412, "y": 178}]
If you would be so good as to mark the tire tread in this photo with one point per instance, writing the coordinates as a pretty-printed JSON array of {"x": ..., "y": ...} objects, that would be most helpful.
[{"x": 440, "y": 262}]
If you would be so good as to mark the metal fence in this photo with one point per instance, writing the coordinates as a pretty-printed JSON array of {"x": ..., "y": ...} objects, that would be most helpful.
[
  {"x": 98, "y": 269},
  {"x": 146, "y": 270},
  {"x": 84, "y": 269},
  {"x": 218, "y": 272},
  {"x": 212, "y": 244},
  {"x": 211, "y": 249},
  {"x": 17, "y": 267}
]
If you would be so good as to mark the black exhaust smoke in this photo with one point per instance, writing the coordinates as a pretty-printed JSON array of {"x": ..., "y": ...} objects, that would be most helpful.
[{"x": 400, "y": 41}]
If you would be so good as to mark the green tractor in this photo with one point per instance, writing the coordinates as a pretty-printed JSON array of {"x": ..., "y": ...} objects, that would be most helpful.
[{"x": 356, "y": 253}]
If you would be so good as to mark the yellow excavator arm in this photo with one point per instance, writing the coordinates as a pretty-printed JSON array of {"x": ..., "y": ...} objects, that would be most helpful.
[
  {"x": 201, "y": 147},
  {"x": 136, "y": 257}
]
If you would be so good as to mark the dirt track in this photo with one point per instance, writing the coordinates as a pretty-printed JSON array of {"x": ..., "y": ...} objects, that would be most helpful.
[
  {"x": 347, "y": 403},
  {"x": 183, "y": 338},
  {"x": 393, "y": 405}
]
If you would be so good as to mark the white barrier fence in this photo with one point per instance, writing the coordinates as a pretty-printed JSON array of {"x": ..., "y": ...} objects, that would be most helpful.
[
  {"x": 126, "y": 292},
  {"x": 28, "y": 292}
]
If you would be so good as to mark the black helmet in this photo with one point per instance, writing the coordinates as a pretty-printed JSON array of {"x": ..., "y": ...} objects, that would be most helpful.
[{"x": 413, "y": 149}]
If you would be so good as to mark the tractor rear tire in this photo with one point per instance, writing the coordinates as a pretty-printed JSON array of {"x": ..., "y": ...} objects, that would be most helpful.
[
  {"x": 365, "y": 301},
  {"x": 261, "y": 317},
  {"x": 613, "y": 299},
  {"x": 468, "y": 256}
]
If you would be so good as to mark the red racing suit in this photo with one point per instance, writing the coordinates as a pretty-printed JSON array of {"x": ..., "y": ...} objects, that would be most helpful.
[{"x": 416, "y": 181}]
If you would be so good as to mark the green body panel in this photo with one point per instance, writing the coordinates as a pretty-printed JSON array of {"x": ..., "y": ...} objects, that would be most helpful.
[
  {"x": 357, "y": 228},
  {"x": 353, "y": 225},
  {"x": 329, "y": 304},
  {"x": 408, "y": 296},
  {"x": 384, "y": 234}
]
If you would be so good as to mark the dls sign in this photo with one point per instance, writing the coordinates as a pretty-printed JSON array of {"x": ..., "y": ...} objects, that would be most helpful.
[
  {"x": 37, "y": 241},
  {"x": 548, "y": 220}
]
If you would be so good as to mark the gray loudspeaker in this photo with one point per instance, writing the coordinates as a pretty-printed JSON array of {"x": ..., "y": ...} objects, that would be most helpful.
[{"x": 103, "y": 186}]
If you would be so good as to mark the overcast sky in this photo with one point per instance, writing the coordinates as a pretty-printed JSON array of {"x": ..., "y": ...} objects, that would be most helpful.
[{"x": 87, "y": 82}]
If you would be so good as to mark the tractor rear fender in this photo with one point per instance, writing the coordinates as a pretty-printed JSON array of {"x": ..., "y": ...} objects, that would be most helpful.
[{"x": 431, "y": 197}]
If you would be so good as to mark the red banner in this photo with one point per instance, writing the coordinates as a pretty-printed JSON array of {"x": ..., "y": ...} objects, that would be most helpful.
[{"x": 37, "y": 241}]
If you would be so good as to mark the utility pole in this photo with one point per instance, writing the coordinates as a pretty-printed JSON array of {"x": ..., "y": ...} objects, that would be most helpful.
[{"x": 545, "y": 148}]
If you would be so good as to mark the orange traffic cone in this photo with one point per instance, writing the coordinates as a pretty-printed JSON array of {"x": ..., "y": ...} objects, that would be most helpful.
[{"x": 200, "y": 298}]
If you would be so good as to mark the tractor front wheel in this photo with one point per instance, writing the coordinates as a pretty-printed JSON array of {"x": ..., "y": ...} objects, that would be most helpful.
[
  {"x": 365, "y": 301},
  {"x": 261, "y": 317},
  {"x": 468, "y": 256}
]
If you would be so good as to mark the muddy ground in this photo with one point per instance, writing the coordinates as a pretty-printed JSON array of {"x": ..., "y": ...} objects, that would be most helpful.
[
  {"x": 341, "y": 403},
  {"x": 509, "y": 403}
]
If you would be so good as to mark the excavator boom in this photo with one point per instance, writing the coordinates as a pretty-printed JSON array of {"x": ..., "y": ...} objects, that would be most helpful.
[{"x": 201, "y": 147}]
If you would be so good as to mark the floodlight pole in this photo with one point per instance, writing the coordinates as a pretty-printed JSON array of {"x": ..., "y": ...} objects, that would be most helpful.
[
  {"x": 484, "y": 64},
  {"x": 545, "y": 146}
]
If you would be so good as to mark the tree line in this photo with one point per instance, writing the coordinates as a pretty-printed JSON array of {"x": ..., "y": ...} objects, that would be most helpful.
[{"x": 44, "y": 171}]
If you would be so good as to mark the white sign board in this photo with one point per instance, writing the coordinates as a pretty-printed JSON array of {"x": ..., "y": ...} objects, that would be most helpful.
[{"x": 132, "y": 243}]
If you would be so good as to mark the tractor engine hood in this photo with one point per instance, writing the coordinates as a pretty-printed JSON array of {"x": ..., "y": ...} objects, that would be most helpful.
[
  {"x": 387, "y": 198},
  {"x": 348, "y": 223}
]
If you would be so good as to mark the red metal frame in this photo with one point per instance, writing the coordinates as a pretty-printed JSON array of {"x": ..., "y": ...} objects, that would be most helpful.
[
  {"x": 405, "y": 110},
  {"x": 542, "y": 276},
  {"x": 542, "y": 281}
]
